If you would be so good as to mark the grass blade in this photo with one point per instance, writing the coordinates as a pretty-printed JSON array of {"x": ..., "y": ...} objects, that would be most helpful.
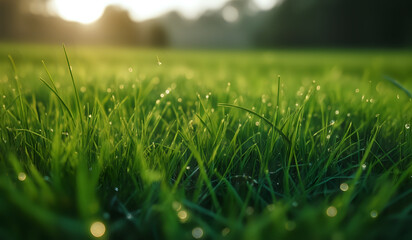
[
  {"x": 60, "y": 99},
  {"x": 74, "y": 86},
  {"x": 258, "y": 115},
  {"x": 397, "y": 84}
]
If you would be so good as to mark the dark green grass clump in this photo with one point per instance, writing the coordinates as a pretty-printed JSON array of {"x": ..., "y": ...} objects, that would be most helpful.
[{"x": 212, "y": 145}]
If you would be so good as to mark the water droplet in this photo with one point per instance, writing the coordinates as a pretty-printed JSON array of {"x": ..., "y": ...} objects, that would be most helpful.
[
  {"x": 197, "y": 232},
  {"x": 374, "y": 214},
  {"x": 363, "y": 166},
  {"x": 337, "y": 112},
  {"x": 290, "y": 225},
  {"x": 179, "y": 100},
  {"x": 97, "y": 229},
  {"x": 318, "y": 88},
  {"x": 167, "y": 91},
  {"x": 162, "y": 95},
  {"x": 344, "y": 187},
  {"x": 183, "y": 216},
  {"x": 116, "y": 189},
  {"x": 250, "y": 210},
  {"x": 407, "y": 126},
  {"x": 271, "y": 207},
  {"x": 21, "y": 176},
  {"x": 157, "y": 101},
  {"x": 257, "y": 124},
  {"x": 331, "y": 211},
  {"x": 225, "y": 231}
]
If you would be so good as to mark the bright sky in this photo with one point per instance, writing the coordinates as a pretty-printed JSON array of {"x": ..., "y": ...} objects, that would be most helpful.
[{"x": 87, "y": 11}]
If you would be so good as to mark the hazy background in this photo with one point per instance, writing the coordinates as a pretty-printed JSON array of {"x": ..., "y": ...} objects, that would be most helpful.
[{"x": 210, "y": 24}]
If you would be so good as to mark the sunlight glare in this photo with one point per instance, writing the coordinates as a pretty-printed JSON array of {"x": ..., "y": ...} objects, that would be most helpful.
[{"x": 82, "y": 11}]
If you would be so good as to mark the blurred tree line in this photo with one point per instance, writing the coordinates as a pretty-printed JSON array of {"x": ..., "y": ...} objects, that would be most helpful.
[
  {"x": 18, "y": 22},
  {"x": 353, "y": 23},
  {"x": 291, "y": 23}
]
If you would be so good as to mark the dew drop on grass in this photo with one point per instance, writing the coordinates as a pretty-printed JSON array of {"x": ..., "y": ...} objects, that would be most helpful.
[
  {"x": 318, "y": 88},
  {"x": 257, "y": 124},
  {"x": 158, "y": 101},
  {"x": 21, "y": 176},
  {"x": 197, "y": 232},
  {"x": 344, "y": 187},
  {"x": 270, "y": 207},
  {"x": 374, "y": 214},
  {"x": 331, "y": 211},
  {"x": 97, "y": 229},
  {"x": 250, "y": 211},
  {"x": 176, "y": 206},
  {"x": 290, "y": 225},
  {"x": 183, "y": 216},
  {"x": 162, "y": 95},
  {"x": 363, "y": 166},
  {"x": 129, "y": 216},
  {"x": 116, "y": 189},
  {"x": 179, "y": 100},
  {"x": 407, "y": 126},
  {"x": 225, "y": 231},
  {"x": 337, "y": 112}
]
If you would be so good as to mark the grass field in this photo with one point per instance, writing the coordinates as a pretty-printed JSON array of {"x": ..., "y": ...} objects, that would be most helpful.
[{"x": 174, "y": 144}]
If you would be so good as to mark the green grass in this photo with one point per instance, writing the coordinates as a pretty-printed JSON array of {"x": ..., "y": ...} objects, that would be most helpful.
[{"x": 174, "y": 144}]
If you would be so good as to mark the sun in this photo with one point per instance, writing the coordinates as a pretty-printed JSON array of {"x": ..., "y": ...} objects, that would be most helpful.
[{"x": 82, "y": 11}]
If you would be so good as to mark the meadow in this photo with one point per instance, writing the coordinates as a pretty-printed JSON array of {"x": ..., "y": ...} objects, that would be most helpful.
[{"x": 123, "y": 143}]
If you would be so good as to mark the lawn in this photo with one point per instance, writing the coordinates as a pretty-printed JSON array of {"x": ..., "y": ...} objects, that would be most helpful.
[{"x": 195, "y": 144}]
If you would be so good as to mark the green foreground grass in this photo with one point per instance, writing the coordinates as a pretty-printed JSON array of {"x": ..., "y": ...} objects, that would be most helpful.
[{"x": 167, "y": 144}]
